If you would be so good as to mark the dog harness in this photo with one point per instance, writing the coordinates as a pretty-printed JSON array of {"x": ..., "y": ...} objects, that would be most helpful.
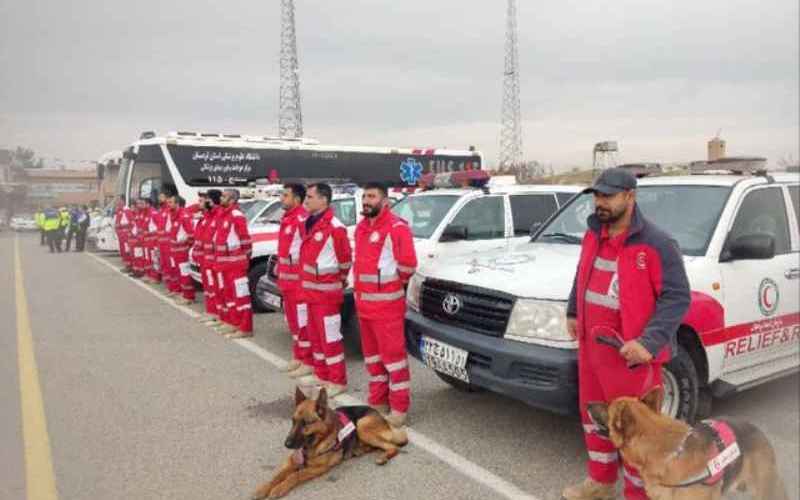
[
  {"x": 347, "y": 432},
  {"x": 720, "y": 457}
]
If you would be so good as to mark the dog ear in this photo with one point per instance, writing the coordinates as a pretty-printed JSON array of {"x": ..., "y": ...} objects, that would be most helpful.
[
  {"x": 322, "y": 403},
  {"x": 299, "y": 397},
  {"x": 654, "y": 398},
  {"x": 622, "y": 422},
  {"x": 598, "y": 413}
]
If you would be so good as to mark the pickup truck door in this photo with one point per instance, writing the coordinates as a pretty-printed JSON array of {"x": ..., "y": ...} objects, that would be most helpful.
[{"x": 761, "y": 296}]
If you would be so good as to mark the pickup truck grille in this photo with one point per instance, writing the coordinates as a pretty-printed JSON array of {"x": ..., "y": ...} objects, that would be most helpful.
[{"x": 481, "y": 310}]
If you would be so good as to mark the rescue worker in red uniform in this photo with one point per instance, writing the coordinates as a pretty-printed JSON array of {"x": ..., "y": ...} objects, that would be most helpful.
[
  {"x": 123, "y": 220},
  {"x": 384, "y": 262},
  {"x": 162, "y": 220},
  {"x": 211, "y": 285},
  {"x": 181, "y": 240},
  {"x": 137, "y": 238},
  {"x": 153, "y": 264},
  {"x": 202, "y": 217},
  {"x": 325, "y": 261},
  {"x": 290, "y": 238},
  {"x": 232, "y": 249},
  {"x": 630, "y": 285}
]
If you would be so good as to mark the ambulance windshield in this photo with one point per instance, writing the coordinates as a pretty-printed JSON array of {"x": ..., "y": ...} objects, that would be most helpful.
[{"x": 688, "y": 213}]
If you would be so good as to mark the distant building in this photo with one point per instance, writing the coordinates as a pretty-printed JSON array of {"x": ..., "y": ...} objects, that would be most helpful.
[
  {"x": 716, "y": 149},
  {"x": 61, "y": 187},
  {"x": 108, "y": 167}
]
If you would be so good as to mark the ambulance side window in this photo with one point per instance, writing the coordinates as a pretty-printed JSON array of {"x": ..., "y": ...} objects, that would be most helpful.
[
  {"x": 483, "y": 218},
  {"x": 763, "y": 211}
]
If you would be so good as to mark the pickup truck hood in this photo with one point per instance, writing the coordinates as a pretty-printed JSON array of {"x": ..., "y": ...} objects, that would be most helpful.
[{"x": 530, "y": 270}]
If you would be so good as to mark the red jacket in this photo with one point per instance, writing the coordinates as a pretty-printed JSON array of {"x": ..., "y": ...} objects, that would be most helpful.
[
  {"x": 232, "y": 244},
  {"x": 325, "y": 260},
  {"x": 123, "y": 220},
  {"x": 163, "y": 219},
  {"x": 181, "y": 234},
  {"x": 384, "y": 262},
  {"x": 290, "y": 238},
  {"x": 151, "y": 235},
  {"x": 199, "y": 230},
  {"x": 209, "y": 233},
  {"x": 654, "y": 293}
]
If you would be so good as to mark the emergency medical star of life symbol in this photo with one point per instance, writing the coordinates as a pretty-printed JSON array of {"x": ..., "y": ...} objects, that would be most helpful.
[{"x": 410, "y": 171}]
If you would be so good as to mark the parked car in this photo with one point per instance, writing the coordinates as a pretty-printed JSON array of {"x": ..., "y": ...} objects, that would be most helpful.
[
  {"x": 23, "y": 223},
  {"x": 497, "y": 321}
]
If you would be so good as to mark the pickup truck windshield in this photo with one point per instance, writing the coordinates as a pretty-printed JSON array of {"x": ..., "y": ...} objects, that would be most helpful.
[
  {"x": 424, "y": 213},
  {"x": 689, "y": 213}
]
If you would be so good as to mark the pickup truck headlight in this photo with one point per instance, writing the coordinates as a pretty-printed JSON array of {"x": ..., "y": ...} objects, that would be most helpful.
[
  {"x": 539, "y": 322},
  {"x": 414, "y": 291}
]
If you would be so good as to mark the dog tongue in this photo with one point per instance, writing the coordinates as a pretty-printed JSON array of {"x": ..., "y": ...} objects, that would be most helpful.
[{"x": 297, "y": 457}]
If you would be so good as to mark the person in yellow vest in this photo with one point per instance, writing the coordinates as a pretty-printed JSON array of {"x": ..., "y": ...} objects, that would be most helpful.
[
  {"x": 51, "y": 222},
  {"x": 65, "y": 218}
]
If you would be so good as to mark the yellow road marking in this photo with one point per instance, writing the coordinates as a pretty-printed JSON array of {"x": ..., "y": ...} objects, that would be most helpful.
[{"x": 39, "y": 477}]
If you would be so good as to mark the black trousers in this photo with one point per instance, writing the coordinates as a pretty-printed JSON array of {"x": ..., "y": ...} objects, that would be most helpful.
[
  {"x": 80, "y": 239},
  {"x": 72, "y": 231},
  {"x": 54, "y": 239},
  {"x": 44, "y": 238}
]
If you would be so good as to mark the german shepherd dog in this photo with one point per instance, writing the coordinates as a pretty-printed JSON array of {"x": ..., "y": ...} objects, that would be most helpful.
[
  {"x": 322, "y": 438},
  {"x": 673, "y": 458}
]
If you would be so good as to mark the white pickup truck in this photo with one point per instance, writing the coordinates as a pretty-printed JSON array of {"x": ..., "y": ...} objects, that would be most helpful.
[{"x": 497, "y": 320}]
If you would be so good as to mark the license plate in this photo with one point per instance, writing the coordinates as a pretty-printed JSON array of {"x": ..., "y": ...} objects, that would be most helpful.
[
  {"x": 272, "y": 299},
  {"x": 444, "y": 358}
]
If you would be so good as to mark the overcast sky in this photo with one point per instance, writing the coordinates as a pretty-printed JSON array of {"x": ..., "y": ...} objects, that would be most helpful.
[{"x": 83, "y": 77}]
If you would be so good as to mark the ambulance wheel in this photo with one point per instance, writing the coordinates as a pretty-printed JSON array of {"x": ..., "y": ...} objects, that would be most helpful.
[
  {"x": 253, "y": 275},
  {"x": 458, "y": 384},
  {"x": 681, "y": 387}
]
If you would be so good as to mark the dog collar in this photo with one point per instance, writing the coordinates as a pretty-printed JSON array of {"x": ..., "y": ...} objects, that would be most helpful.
[{"x": 723, "y": 454}]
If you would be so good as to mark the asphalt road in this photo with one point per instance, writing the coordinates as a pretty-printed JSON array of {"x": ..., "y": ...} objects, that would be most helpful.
[{"x": 140, "y": 401}]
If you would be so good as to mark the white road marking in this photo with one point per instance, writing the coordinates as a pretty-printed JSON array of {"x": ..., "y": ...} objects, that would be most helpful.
[{"x": 446, "y": 455}]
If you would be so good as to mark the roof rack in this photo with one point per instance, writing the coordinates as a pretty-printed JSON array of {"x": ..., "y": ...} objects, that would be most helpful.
[
  {"x": 642, "y": 169},
  {"x": 737, "y": 165}
]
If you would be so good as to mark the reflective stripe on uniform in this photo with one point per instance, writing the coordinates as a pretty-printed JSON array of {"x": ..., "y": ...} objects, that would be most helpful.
[
  {"x": 605, "y": 458},
  {"x": 393, "y": 367},
  {"x": 406, "y": 269},
  {"x": 601, "y": 300},
  {"x": 288, "y": 276},
  {"x": 319, "y": 356},
  {"x": 335, "y": 359},
  {"x": 325, "y": 287},
  {"x": 633, "y": 479},
  {"x": 304, "y": 343},
  {"x": 372, "y": 359},
  {"x": 605, "y": 264},
  {"x": 373, "y": 278},
  {"x": 320, "y": 271},
  {"x": 399, "y": 386},
  {"x": 285, "y": 261},
  {"x": 379, "y": 378},
  {"x": 377, "y": 297}
]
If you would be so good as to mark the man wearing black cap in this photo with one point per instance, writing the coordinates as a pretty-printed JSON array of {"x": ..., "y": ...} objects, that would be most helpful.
[{"x": 630, "y": 289}]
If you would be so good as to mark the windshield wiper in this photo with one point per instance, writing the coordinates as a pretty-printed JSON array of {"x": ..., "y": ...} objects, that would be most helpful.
[{"x": 569, "y": 238}]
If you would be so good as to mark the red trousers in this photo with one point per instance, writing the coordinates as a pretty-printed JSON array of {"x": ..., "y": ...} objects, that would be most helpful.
[
  {"x": 238, "y": 310},
  {"x": 139, "y": 258},
  {"x": 325, "y": 332},
  {"x": 167, "y": 271},
  {"x": 182, "y": 281},
  {"x": 296, "y": 314},
  {"x": 208, "y": 278},
  {"x": 604, "y": 376},
  {"x": 384, "y": 348},
  {"x": 124, "y": 249},
  {"x": 151, "y": 251}
]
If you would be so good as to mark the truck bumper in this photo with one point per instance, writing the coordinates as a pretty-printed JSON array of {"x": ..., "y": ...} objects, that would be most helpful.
[{"x": 540, "y": 376}]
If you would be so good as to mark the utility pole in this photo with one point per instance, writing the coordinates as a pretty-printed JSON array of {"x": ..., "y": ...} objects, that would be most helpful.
[
  {"x": 290, "y": 118},
  {"x": 511, "y": 157}
]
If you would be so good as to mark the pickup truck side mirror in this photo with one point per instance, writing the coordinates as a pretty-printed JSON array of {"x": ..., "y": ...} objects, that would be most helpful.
[
  {"x": 454, "y": 233},
  {"x": 750, "y": 247}
]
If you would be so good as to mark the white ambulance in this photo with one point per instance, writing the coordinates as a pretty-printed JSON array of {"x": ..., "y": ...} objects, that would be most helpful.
[{"x": 497, "y": 321}]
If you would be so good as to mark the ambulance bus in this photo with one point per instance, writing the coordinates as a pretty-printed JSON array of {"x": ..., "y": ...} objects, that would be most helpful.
[{"x": 195, "y": 162}]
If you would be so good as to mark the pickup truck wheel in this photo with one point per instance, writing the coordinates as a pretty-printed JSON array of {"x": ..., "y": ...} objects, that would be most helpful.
[
  {"x": 458, "y": 384},
  {"x": 253, "y": 275},
  {"x": 681, "y": 387}
]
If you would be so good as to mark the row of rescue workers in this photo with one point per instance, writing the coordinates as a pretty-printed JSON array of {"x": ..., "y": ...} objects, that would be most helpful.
[{"x": 314, "y": 260}]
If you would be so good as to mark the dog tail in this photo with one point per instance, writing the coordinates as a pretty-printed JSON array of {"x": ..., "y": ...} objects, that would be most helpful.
[{"x": 399, "y": 437}]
